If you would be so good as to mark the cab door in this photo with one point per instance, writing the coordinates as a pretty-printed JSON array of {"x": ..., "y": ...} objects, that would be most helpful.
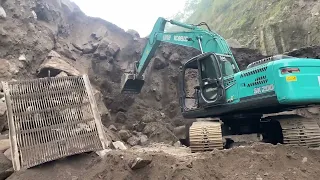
[{"x": 211, "y": 80}]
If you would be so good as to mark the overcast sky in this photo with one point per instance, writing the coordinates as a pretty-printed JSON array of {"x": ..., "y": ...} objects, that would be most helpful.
[{"x": 139, "y": 15}]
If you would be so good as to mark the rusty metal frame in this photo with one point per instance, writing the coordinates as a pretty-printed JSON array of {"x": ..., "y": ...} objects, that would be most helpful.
[{"x": 51, "y": 118}]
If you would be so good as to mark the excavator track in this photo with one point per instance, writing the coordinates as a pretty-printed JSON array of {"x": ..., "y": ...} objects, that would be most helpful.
[
  {"x": 300, "y": 131},
  {"x": 205, "y": 136}
]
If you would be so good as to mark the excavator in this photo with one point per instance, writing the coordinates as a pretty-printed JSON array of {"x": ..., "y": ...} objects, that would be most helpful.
[{"x": 235, "y": 102}]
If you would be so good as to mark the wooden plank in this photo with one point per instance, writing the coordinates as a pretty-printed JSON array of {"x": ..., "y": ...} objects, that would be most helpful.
[
  {"x": 95, "y": 110},
  {"x": 12, "y": 130}
]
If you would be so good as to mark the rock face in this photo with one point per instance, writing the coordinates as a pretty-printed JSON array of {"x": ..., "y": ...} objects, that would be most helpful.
[
  {"x": 133, "y": 33},
  {"x": 272, "y": 26}
]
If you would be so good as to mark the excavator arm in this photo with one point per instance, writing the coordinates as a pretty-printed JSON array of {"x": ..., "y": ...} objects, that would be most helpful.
[{"x": 196, "y": 37}]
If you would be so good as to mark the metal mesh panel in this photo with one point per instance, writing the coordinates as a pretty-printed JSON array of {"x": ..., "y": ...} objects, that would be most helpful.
[{"x": 51, "y": 118}]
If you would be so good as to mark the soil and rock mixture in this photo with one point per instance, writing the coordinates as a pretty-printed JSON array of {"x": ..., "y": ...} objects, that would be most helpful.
[
  {"x": 41, "y": 37},
  {"x": 163, "y": 162}
]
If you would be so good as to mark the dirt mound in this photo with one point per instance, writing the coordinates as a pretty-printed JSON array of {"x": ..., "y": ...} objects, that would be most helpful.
[
  {"x": 245, "y": 56},
  {"x": 258, "y": 161}
]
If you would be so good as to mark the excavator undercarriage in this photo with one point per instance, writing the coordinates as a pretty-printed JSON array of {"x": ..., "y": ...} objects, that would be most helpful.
[{"x": 288, "y": 129}]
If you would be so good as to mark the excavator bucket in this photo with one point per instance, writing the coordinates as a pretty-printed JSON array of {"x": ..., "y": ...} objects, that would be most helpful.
[{"x": 131, "y": 85}]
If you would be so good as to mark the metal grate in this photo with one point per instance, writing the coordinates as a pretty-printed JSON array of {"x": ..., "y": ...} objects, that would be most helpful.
[{"x": 51, "y": 118}]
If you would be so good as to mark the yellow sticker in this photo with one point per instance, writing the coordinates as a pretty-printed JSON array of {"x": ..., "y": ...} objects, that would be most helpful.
[{"x": 291, "y": 78}]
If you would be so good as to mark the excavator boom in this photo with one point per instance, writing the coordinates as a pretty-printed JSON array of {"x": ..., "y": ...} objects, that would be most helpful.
[{"x": 196, "y": 37}]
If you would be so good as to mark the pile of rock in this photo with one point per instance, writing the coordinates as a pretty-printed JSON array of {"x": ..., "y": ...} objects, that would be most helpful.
[{"x": 100, "y": 47}]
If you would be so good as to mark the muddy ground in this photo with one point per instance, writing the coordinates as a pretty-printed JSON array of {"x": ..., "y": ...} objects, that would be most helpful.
[{"x": 256, "y": 161}]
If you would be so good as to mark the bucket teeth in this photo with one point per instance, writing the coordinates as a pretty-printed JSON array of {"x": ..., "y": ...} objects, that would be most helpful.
[
  {"x": 300, "y": 131},
  {"x": 205, "y": 136}
]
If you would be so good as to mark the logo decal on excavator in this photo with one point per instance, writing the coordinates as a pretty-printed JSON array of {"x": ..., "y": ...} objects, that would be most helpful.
[
  {"x": 263, "y": 89},
  {"x": 166, "y": 38},
  {"x": 181, "y": 38}
]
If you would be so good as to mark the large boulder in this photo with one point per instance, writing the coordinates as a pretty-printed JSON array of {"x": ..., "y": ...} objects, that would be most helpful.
[
  {"x": 3, "y": 14},
  {"x": 121, "y": 117},
  {"x": 133, "y": 140},
  {"x": 113, "y": 49},
  {"x": 180, "y": 132},
  {"x": 124, "y": 135},
  {"x": 106, "y": 49},
  {"x": 102, "y": 49},
  {"x": 143, "y": 140},
  {"x": 56, "y": 66},
  {"x": 89, "y": 48}
]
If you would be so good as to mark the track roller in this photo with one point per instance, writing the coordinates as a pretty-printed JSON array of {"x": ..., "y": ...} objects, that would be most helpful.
[
  {"x": 300, "y": 131},
  {"x": 205, "y": 136}
]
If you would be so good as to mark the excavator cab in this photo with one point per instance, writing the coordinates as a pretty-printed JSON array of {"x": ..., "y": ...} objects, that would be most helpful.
[{"x": 206, "y": 77}]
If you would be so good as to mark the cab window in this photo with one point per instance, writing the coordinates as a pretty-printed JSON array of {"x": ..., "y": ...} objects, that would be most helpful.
[{"x": 226, "y": 65}]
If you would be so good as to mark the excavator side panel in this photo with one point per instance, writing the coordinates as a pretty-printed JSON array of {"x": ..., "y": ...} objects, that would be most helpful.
[
  {"x": 256, "y": 82},
  {"x": 297, "y": 81}
]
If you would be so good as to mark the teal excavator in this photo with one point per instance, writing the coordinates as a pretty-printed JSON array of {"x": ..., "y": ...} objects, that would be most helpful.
[{"x": 244, "y": 102}]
